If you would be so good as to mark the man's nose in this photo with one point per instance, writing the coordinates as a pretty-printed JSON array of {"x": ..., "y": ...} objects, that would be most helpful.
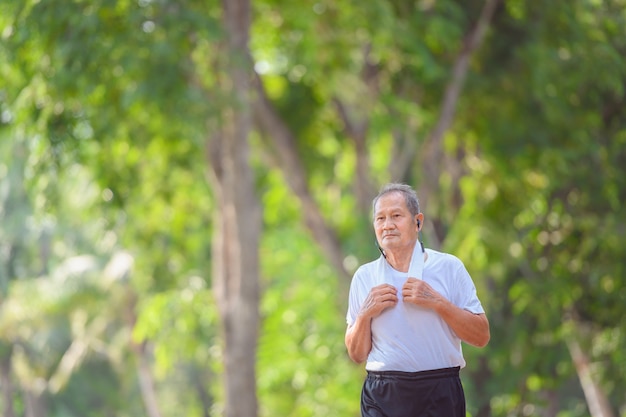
[{"x": 388, "y": 223}]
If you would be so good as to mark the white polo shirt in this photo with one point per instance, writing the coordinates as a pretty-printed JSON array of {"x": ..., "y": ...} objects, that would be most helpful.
[{"x": 408, "y": 337}]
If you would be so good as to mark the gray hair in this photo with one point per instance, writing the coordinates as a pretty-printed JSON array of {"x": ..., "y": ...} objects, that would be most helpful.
[{"x": 410, "y": 196}]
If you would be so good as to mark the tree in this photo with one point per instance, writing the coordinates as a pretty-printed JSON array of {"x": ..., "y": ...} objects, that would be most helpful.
[
  {"x": 237, "y": 217},
  {"x": 304, "y": 108}
]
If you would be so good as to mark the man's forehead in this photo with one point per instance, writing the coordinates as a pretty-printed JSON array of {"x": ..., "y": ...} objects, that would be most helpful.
[{"x": 393, "y": 200}]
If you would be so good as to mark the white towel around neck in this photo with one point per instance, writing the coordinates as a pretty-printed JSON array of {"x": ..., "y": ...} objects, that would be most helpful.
[{"x": 416, "y": 266}]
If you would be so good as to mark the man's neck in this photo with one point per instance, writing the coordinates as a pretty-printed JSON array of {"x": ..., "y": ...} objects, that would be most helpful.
[{"x": 400, "y": 258}]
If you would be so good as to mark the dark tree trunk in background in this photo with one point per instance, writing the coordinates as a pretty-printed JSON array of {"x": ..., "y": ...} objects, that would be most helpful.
[
  {"x": 237, "y": 219},
  {"x": 6, "y": 384}
]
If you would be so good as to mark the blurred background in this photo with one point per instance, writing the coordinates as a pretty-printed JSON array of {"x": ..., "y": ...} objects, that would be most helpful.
[{"x": 185, "y": 193}]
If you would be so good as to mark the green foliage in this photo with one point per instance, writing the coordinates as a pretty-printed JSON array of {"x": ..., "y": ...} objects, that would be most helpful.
[
  {"x": 540, "y": 191},
  {"x": 303, "y": 366},
  {"x": 105, "y": 111},
  {"x": 182, "y": 324}
]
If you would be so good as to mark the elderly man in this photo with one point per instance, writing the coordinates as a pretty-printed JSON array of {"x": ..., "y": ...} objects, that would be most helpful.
[{"x": 408, "y": 312}]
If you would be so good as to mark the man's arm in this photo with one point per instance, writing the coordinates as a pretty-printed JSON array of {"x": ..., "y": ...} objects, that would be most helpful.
[
  {"x": 359, "y": 335},
  {"x": 359, "y": 339},
  {"x": 469, "y": 327}
]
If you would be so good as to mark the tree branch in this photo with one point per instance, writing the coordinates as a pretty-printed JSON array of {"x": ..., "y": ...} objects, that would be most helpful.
[
  {"x": 356, "y": 129},
  {"x": 596, "y": 398},
  {"x": 284, "y": 144},
  {"x": 431, "y": 157}
]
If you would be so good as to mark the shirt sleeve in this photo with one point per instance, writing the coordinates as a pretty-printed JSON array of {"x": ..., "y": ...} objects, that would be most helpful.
[
  {"x": 354, "y": 299},
  {"x": 467, "y": 296}
]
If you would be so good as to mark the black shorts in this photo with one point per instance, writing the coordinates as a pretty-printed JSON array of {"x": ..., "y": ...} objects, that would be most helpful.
[{"x": 436, "y": 393}]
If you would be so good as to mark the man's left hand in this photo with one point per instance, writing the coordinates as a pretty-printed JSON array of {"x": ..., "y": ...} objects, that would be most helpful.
[{"x": 419, "y": 292}]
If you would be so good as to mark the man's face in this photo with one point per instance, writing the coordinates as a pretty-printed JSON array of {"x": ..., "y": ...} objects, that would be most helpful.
[{"x": 394, "y": 225}]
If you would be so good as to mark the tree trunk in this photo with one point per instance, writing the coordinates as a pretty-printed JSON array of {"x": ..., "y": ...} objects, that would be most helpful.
[
  {"x": 202, "y": 391},
  {"x": 146, "y": 380},
  {"x": 481, "y": 378},
  {"x": 596, "y": 399},
  {"x": 237, "y": 220},
  {"x": 34, "y": 404},
  {"x": 144, "y": 360},
  {"x": 7, "y": 385}
]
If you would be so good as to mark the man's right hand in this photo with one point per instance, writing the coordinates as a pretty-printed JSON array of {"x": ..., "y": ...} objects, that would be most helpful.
[{"x": 378, "y": 300}]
